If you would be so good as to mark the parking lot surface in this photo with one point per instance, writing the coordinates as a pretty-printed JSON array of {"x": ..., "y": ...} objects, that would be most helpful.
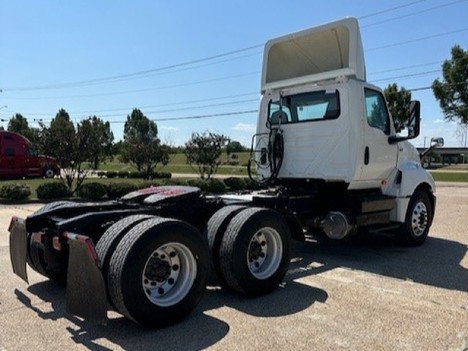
[{"x": 365, "y": 293}]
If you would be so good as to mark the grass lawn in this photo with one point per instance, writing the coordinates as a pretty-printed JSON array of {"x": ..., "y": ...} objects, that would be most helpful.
[
  {"x": 178, "y": 164},
  {"x": 441, "y": 176}
]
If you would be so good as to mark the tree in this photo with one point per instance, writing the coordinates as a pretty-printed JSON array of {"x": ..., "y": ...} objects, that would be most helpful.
[
  {"x": 452, "y": 91},
  {"x": 204, "y": 150},
  {"x": 398, "y": 104},
  {"x": 20, "y": 125},
  {"x": 141, "y": 145},
  {"x": 100, "y": 139},
  {"x": 234, "y": 146},
  {"x": 71, "y": 147}
]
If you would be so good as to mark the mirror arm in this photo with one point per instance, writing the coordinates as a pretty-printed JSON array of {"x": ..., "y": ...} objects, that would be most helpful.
[{"x": 393, "y": 139}]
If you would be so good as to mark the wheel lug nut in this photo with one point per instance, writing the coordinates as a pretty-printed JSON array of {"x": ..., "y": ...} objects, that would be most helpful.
[
  {"x": 175, "y": 267},
  {"x": 170, "y": 281},
  {"x": 161, "y": 291},
  {"x": 263, "y": 243},
  {"x": 172, "y": 254}
]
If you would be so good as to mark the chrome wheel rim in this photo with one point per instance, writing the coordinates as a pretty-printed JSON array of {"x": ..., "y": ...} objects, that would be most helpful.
[
  {"x": 419, "y": 219},
  {"x": 169, "y": 274},
  {"x": 264, "y": 253}
]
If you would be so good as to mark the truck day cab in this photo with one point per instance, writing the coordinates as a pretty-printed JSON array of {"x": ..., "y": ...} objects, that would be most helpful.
[
  {"x": 19, "y": 160},
  {"x": 325, "y": 146}
]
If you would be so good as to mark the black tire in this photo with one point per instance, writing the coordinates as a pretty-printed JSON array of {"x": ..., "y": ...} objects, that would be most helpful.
[
  {"x": 49, "y": 173},
  {"x": 35, "y": 256},
  {"x": 110, "y": 239},
  {"x": 215, "y": 230},
  {"x": 418, "y": 220},
  {"x": 255, "y": 251},
  {"x": 39, "y": 264},
  {"x": 158, "y": 272}
]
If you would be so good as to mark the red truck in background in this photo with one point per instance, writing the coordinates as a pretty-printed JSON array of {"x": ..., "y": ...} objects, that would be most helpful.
[{"x": 18, "y": 159}]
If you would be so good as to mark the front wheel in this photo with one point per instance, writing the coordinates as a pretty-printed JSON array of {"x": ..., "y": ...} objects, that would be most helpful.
[
  {"x": 49, "y": 173},
  {"x": 417, "y": 221},
  {"x": 158, "y": 272}
]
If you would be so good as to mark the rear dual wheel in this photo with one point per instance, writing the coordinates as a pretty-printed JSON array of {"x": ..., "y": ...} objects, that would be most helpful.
[
  {"x": 254, "y": 251},
  {"x": 158, "y": 272},
  {"x": 36, "y": 254}
]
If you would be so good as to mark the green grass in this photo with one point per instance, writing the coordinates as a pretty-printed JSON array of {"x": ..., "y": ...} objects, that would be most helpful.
[
  {"x": 178, "y": 164},
  {"x": 450, "y": 176}
]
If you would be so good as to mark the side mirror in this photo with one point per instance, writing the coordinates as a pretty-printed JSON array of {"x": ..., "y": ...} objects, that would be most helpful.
[
  {"x": 414, "y": 121},
  {"x": 412, "y": 125},
  {"x": 437, "y": 142}
]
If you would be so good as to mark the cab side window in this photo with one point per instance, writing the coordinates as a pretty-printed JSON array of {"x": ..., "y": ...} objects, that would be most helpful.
[{"x": 376, "y": 110}]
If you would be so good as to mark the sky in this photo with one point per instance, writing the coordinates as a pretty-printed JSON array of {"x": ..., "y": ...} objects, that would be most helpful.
[{"x": 195, "y": 66}]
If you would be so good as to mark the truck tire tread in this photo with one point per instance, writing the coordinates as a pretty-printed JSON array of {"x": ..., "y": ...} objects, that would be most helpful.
[
  {"x": 234, "y": 247},
  {"x": 215, "y": 230},
  {"x": 127, "y": 264}
]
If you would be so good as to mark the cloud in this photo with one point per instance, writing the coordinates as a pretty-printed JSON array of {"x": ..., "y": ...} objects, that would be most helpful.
[
  {"x": 169, "y": 128},
  {"x": 437, "y": 121},
  {"x": 244, "y": 127}
]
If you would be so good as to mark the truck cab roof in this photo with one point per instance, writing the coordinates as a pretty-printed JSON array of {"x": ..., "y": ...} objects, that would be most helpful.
[{"x": 321, "y": 53}]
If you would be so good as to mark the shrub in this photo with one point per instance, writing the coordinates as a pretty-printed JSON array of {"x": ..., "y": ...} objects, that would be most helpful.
[
  {"x": 135, "y": 174},
  {"x": 53, "y": 190},
  {"x": 199, "y": 183},
  {"x": 162, "y": 175},
  {"x": 116, "y": 190},
  {"x": 215, "y": 186},
  {"x": 15, "y": 191},
  {"x": 251, "y": 185},
  {"x": 235, "y": 183},
  {"x": 111, "y": 174},
  {"x": 123, "y": 174},
  {"x": 92, "y": 191}
]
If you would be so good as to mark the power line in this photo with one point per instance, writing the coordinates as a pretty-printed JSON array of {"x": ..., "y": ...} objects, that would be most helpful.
[
  {"x": 417, "y": 39},
  {"x": 412, "y": 14},
  {"x": 390, "y": 9},
  {"x": 190, "y": 107},
  {"x": 135, "y": 74},
  {"x": 407, "y": 76},
  {"x": 153, "y": 106},
  {"x": 405, "y": 68},
  {"x": 232, "y": 113},
  {"x": 166, "y": 69},
  {"x": 138, "y": 90}
]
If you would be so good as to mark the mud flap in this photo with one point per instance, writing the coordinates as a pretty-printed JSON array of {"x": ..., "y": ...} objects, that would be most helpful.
[
  {"x": 86, "y": 290},
  {"x": 18, "y": 247}
]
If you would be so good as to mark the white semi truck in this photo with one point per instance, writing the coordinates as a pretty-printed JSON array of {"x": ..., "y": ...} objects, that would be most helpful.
[{"x": 327, "y": 150}]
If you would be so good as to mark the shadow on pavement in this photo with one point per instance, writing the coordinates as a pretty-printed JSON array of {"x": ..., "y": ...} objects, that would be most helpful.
[
  {"x": 197, "y": 332},
  {"x": 437, "y": 262}
]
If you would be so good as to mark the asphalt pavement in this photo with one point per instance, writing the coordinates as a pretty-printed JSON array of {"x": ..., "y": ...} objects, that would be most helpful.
[{"x": 364, "y": 293}]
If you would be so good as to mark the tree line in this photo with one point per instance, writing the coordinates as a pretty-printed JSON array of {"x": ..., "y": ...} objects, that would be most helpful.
[
  {"x": 92, "y": 141},
  {"x": 84, "y": 146}
]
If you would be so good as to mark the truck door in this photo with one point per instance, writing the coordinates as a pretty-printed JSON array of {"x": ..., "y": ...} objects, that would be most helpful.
[
  {"x": 33, "y": 163},
  {"x": 380, "y": 157},
  {"x": 8, "y": 166}
]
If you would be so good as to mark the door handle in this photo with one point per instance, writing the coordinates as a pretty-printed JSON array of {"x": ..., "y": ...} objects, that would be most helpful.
[{"x": 366, "y": 155}]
